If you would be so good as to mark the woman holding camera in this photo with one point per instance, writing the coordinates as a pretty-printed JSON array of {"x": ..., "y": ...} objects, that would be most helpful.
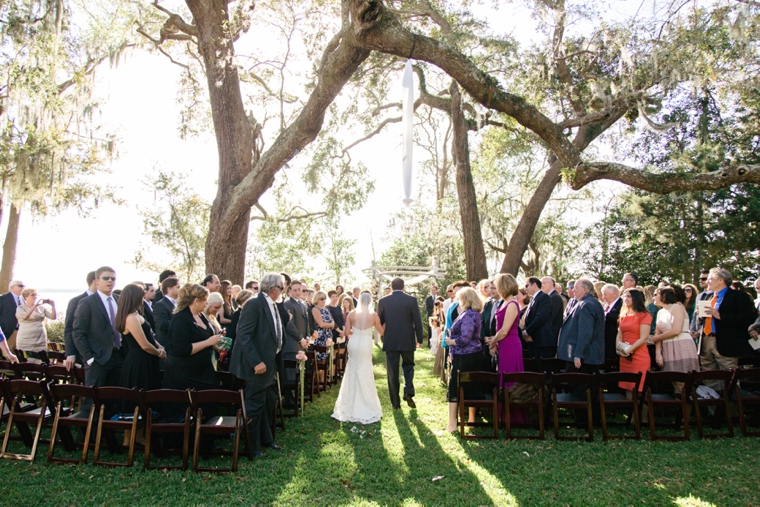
[{"x": 32, "y": 336}]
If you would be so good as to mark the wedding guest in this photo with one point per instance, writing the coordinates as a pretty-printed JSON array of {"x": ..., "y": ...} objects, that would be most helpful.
[
  {"x": 223, "y": 317},
  {"x": 96, "y": 337},
  {"x": 633, "y": 329},
  {"x": 675, "y": 347},
  {"x": 140, "y": 368},
  {"x": 506, "y": 343},
  {"x": 235, "y": 290},
  {"x": 570, "y": 288},
  {"x": 323, "y": 323},
  {"x": 211, "y": 283},
  {"x": 652, "y": 308},
  {"x": 32, "y": 335},
  {"x": 257, "y": 357},
  {"x": 691, "y": 300},
  {"x": 730, "y": 314},
  {"x": 448, "y": 302},
  {"x": 148, "y": 298},
  {"x": 629, "y": 281},
  {"x": 597, "y": 293},
  {"x": 213, "y": 308},
  {"x": 161, "y": 277},
  {"x": 253, "y": 286},
  {"x": 72, "y": 354},
  {"x": 386, "y": 291},
  {"x": 435, "y": 342},
  {"x": 429, "y": 303},
  {"x": 482, "y": 289},
  {"x": 347, "y": 306},
  {"x": 164, "y": 309},
  {"x": 191, "y": 342},
  {"x": 355, "y": 296},
  {"x": 581, "y": 340},
  {"x": 339, "y": 289},
  {"x": 465, "y": 349},
  {"x": 337, "y": 314},
  {"x": 538, "y": 330},
  {"x": 612, "y": 306},
  {"x": 8, "y": 304},
  {"x": 10, "y": 356}
]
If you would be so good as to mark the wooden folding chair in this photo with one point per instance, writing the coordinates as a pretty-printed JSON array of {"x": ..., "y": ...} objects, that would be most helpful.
[
  {"x": 228, "y": 381},
  {"x": 659, "y": 386},
  {"x": 56, "y": 356},
  {"x": 157, "y": 425},
  {"x": 278, "y": 407},
  {"x": 14, "y": 391},
  {"x": 293, "y": 386},
  {"x": 745, "y": 387},
  {"x": 322, "y": 366},
  {"x": 749, "y": 362},
  {"x": 67, "y": 417},
  {"x": 721, "y": 404},
  {"x": 119, "y": 422},
  {"x": 611, "y": 365},
  {"x": 310, "y": 375},
  {"x": 612, "y": 396},
  {"x": 7, "y": 370},
  {"x": 573, "y": 400},
  {"x": 538, "y": 380},
  {"x": 30, "y": 371},
  {"x": 220, "y": 425},
  {"x": 551, "y": 365},
  {"x": 489, "y": 400}
]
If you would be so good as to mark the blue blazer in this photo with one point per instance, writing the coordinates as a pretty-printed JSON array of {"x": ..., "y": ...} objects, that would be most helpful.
[{"x": 582, "y": 333}]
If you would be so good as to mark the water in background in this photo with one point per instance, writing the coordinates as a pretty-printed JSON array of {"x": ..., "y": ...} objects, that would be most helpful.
[{"x": 61, "y": 298}]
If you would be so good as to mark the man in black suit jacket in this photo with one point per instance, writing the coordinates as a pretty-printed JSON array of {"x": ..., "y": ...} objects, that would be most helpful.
[
  {"x": 556, "y": 316},
  {"x": 732, "y": 312},
  {"x": 300, "y": 319},
  {"x": 538, "y": 329},
  {"x": 150, "y": 294},
  {"x": 72, "y": 354},
  {"x": 400, "y": 314},
  {"x": 161, "y": 277},
  {"x": 95, "y": 334},
  {"x": 8, "y": 304},
  {"x": 489, "y": 312},
  {"x": 429, "y": 306},
  {"x": 612, "y": 306},
  {"x": 255, "y": 358}
]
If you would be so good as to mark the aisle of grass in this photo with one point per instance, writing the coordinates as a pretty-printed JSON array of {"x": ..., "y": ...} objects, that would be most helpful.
[{"x": 395, "y": 462}]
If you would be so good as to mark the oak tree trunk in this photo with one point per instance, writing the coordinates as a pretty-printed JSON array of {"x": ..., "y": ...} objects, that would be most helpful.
[
  {"x": 474, "y": 252},
  {"x": 9, "y": 247},
  {"x": 228, "y": 236}
]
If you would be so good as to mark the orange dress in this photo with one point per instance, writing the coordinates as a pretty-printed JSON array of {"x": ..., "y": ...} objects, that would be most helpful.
[{"x": 630, "y": 326}]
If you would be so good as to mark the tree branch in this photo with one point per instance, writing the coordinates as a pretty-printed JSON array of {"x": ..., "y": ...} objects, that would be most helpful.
[
  {"x": 174, "y": 23},
  {"x": 662, "y": 183}
]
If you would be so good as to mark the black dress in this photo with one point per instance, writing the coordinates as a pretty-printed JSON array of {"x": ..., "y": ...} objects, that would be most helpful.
[
  {"x": 185, "y": 370},
  {"x": 140, "y": 369}
]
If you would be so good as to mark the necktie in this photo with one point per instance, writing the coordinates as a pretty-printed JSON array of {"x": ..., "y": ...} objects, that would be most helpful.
[
  {"x": 19, "y": 301},
  {"x": 708, "y": 329},
  {"x": 607, "y": 309},
  {"x": 278, "y": 326},
  {"x": 112, "y": 316}
]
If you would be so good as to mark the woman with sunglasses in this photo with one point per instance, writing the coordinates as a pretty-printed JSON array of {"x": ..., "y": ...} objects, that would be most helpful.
[
  {"x": 323, "y": 321},
  {"x": 691, "y": 300}
]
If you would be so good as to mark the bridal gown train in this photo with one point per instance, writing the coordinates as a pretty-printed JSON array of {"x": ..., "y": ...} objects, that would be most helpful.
[{"x": 357, "y": 401}]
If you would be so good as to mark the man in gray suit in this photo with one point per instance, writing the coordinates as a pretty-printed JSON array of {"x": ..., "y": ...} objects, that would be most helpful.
[
  {"x": 295, "y": 343},
  {"x": 400, "y": 315},
  {"x": 255, "y": 358}
]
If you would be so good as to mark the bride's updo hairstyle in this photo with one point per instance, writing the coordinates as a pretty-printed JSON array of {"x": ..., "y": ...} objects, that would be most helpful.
[{"x": 365, "y": 302}]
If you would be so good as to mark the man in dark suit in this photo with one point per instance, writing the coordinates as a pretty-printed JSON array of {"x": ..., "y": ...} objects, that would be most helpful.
[
  {"x": 537, "y": 330},
  {"x": 612, "y": 305},
  {"x": 489, "y": 312},
  {"x": 581, "y": 340},
  {"x": 95, "y": 334},
  {"x": 8, "y": 304},
  {"x": 163, "y": 276},
  {"x": 726, "y": 337},
  {"x": 72, "y": 354},
  {"x": 164, "y": 309},
  {"x": 429, "y": 306},
  {"x": 255, "y": 358},
  {"x": 549, "y": 287},
  {"x": 150, "y": 294},
  {"x": 400, "y": 314},
  {"x": 300, "y": 319}
]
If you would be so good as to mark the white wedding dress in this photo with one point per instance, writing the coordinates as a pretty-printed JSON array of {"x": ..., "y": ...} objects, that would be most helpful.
[{"x": 357, "y": 401}]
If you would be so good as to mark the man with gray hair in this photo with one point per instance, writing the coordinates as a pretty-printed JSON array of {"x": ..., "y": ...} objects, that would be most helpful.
[
  {"x": 8, "y": 304},
  {"x": 581, "y": 340},
  {"x": 725, "y": 335},
  {"x": 256, "y": 356}
]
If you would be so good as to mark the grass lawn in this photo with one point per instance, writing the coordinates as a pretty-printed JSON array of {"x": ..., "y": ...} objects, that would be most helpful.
[{"x": 395, "y": 461}]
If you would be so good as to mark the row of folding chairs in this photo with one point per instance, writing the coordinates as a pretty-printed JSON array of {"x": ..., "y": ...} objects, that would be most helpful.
[
  {"x": 37, "y": 403},
  {"x": 588, "y": 396}
]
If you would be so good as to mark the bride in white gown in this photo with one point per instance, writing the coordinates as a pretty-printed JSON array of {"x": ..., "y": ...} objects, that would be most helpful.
[{"x": 357, "y": 401}]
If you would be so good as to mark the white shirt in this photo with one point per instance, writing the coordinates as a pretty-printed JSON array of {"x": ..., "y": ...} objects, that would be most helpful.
[
  {"x": 446, "y": 305},
  {"x": 275, "y": 315},
  {"x": 610, "y": 306},
  {"x": 150, "y": 305}
]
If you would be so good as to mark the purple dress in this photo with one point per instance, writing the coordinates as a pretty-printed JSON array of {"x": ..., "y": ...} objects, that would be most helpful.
[{"x": 510, "y": 355}]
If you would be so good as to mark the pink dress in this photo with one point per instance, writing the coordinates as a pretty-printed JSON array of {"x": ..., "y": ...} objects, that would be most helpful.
[{"x": 510, "y": 355}]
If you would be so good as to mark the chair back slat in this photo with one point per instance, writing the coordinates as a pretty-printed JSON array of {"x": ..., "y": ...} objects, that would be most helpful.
[
  {"x": 479, "y": 376},
  {"x": 527, "y": 377},
  {"x": 166, "y": 395}
]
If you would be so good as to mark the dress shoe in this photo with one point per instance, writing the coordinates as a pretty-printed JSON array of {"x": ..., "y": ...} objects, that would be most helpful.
[
  {"x": 275, "y": 447},
  {"x": 410, "y": 401},
  {"x": 259, "y": 454}
]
